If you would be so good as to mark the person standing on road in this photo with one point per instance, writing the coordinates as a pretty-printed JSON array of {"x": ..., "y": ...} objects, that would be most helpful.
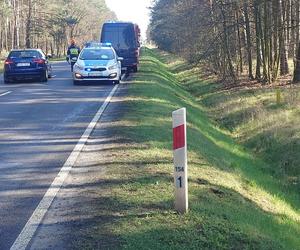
[{"x": 72, "y": 53}]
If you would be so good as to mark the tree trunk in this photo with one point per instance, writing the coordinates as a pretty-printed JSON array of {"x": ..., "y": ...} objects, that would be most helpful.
[
  {"x": 296, "y": 78},
  {"x": 226, "y": 45},
  {"x": 257, "y": 39},
  {"x": 240, "y": 53},
  {"x": 28, "y": 25},
  {"x": 284, "y": 68},
  {"x": 248, "y": 39},
  {"x": 264, "y": 41}
]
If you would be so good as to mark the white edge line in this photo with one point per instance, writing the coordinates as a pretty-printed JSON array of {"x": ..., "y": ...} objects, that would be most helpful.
[
  {"x": 123, "y": 76},
  {"x": 5, "y": 93},
  {"x": 34, "y": 221}
]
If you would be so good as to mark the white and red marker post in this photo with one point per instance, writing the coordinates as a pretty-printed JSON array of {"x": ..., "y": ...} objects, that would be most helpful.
[{"x": 180, "y": 160}]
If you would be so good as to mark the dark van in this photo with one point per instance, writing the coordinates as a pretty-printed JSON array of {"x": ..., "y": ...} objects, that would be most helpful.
[{"x": 124, "y": 38}]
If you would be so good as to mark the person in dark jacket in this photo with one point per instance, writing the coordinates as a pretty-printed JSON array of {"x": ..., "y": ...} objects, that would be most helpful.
[{"x": 72, "y": 53}]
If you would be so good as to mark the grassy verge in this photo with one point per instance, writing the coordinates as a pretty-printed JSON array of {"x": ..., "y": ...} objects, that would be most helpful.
[
  {"x": 58, "y": 59},
  {"x": 254, "y": 115},
  {"x": 234, "y": 202},
  {"x": 1, "y": 66}
]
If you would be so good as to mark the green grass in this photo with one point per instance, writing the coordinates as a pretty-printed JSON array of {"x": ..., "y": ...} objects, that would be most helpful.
[
  {"x": 253, "y": 116},
  {"x": 58, "y": 59},
  {"x": 235, "y": 203},
  {"x": 1, "y": 66}
]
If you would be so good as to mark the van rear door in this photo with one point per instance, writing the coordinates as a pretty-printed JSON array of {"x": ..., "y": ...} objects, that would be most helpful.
[
  {"x": 127, "y": 42},
  {"x": 110, "y": 34},
  {"x": 123, "y": 39}
]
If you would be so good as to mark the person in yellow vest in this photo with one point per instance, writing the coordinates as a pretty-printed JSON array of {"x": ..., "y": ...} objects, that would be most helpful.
[{"x": 72, "y": 53}]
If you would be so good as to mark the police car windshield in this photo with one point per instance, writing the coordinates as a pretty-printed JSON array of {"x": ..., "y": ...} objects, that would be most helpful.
[{"x": 97, "y": 54}]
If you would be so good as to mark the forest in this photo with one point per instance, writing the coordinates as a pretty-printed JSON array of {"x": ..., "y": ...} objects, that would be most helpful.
[
  {"x": 257, "y": 39},
  {"x": 50, "y": 24}
]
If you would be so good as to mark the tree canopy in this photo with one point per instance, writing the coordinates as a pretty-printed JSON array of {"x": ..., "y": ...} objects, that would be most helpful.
[
  {"x": 50, "y": 25},
  {"x": 231, "y": 36}
]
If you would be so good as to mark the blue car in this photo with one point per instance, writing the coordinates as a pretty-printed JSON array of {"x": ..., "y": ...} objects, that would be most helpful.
[{"x": 26, "y": 64}]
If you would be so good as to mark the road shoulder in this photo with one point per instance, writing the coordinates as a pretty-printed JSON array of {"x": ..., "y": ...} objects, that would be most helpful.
[{"x": 75, "y": 211}]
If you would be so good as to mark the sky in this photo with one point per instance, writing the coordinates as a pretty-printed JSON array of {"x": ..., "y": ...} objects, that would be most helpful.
[{"x": 132, "y": 10}]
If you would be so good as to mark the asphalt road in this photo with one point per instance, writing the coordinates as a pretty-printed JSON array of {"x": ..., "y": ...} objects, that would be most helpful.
[{"x": 40, "y": 123}]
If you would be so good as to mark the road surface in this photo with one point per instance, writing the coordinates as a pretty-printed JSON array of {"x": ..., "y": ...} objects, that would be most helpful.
[{"x": 40, "y": 123}]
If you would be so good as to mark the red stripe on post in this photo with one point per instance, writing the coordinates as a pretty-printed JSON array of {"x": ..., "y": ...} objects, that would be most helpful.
[{"x": 178, "y": 137}]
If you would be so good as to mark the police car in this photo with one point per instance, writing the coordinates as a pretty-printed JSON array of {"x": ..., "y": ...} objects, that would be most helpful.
[{"x": 97, "y": 62}]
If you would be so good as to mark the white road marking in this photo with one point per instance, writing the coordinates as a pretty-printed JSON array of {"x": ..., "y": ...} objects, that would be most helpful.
[
  {"x": 34, "y": 221},
  {"x": 123, "y": 77},
  {"x": 5, "y": 93}
]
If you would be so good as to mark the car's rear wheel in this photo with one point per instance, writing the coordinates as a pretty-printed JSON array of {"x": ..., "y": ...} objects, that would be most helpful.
[
  {"x": 6, "y": 80},
  {"x": 50, "y": 72},
  {"x": 44, "y": 77}
]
